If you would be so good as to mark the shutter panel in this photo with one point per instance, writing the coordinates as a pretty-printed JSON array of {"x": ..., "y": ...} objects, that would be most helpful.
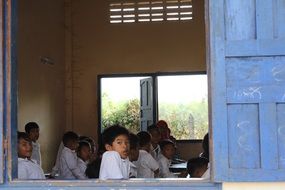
[
  {"x": 247, "y": 84},
  {"x": 146, "y": 99}
]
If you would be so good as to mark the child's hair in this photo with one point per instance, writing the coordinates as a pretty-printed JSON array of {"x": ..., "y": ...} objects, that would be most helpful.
[
  {"x": 164, "y": 143},
  {"x": 31, "y": 125},
  {"x": 134, "y": 141},
  {"x": 112, "y": 132},
  {"x": 152, "y": 127},
  {"x": 144, "y": 138},
  {"x": 205, "y": 145},
  {"x": 194, "y": 164},
  {"x": 90, "y": 141},
  {"x": 23, "y": 135},
  {"x": 82, "y": 144},
  {"x": 69, "y": 136}
]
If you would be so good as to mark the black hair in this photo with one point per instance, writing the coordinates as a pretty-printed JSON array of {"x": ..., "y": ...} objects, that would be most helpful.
[
  {"x": 166, "y": 142},
  {"x": 23, "y": 135},
  {"x": 89, "y": 140},
  {"x": 31, "y": 125},
  {"x": 112, "y": 132},
  {"x": 134, "y": 141},
  {"x": 194, "y": 164},
  {"x": 153, "y": 127},
  {"x": 83, "y": 143},
  {"x": 144, "y": 138},
  {"x": 93, "y": 168},
  {"x": 69, "y": 136},
  {"x": 205, "y": 146}
]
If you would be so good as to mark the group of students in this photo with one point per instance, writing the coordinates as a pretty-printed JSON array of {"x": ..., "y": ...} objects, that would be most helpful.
[{"x": 122, "y": 155}]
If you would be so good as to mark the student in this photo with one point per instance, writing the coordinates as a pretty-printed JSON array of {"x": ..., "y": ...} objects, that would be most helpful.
[
  {"x": 115, "y": 163},
  {"x": 164, "y": 129},
  {"x": 83, "y": 153},
  {"x": 205, "y": 145},
  {"x": 68, "y": 164},
  {"x": 155, "y": 139},
  {"x": 32, "y": 129},
  {"x": 133, "y": 154},
  {"x": 196, "y": 167},
  {"x": 27, "y": 168},
  {"x": 146, "y": 164},
  {"x": 167, "y": 153}
]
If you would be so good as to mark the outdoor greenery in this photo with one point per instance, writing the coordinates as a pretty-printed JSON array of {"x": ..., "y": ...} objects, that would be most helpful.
[{"x": 186, "y": 121}]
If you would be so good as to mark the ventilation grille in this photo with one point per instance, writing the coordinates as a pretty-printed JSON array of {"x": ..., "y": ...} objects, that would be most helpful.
[{"x": 151, "y": 11}]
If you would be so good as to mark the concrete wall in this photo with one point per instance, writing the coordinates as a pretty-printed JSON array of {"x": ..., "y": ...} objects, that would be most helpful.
[
  {"x": 103, "y": 48},
  {"x": 41, "y": 95}
]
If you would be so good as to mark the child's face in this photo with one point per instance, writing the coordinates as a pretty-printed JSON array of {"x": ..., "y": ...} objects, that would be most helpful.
[
  {"x": 85, "y": 153},
  {"x": 120, "y": 145},
  {"x": 168, "y": 151},
  {"x": 155, "y": 137},
  {"x": 72, "y": 144},
  {"x": 24, "y": 149},
  {"x": 200, "y": 171},
  {"x": 34, "y": 134}
]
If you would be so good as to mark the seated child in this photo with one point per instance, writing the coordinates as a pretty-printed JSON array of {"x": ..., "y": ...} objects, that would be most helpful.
[
  {"x": 83, "y": 153},
  {"x": 146, "y": 164},
  {"x": 32, "y": 129},
  {"x": 155, "y": 139},
  {"x": 27, "y": 168},
  {"x": 133, "y": 154},
  {"x": 167, "y": 153},
  {"x": 68, "y": 164},
  {"x": 115, "y": 163},
  {"x": 196, "y": 167}
]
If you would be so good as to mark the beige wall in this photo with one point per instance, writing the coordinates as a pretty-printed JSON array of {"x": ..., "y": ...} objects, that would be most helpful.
[
  {"x": 103, "y": 48},
  {"x": 41, "y": 87}
]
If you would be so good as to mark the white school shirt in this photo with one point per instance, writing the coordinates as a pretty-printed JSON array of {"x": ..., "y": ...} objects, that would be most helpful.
[
  {"x": 146, "y": 165},
  {"x": 164, "y": 164},
  {"x": 36, "y": 153},
  {"x": 29, "y": 169},
  {"x": 155, "y": 152},
  {"x": 206, "y": 175},
  {"x": 68, "y": 166},
  {"x": 82, "y": 166},
  {"x": 133, "y": 170},
  {"x": 113, "y": 166}
]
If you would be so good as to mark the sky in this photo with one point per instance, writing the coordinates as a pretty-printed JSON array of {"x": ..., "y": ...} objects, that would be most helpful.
[{"x": 172, "y": 89}]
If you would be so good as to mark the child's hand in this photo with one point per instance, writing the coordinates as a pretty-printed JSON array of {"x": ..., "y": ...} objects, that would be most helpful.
[{"x": 183, "y": 174}]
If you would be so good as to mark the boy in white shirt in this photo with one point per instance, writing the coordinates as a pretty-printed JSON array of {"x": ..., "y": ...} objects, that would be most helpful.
[
  {"x": 33, "y": 131},
  {"x": 115, "y": 163},
  {"x": 68, "y": 163},
  {"x": 155, "y": 139},
  {"x": 27, "y": 168},
  {"x": 167, "y": 153},
  {"x": 83, "y": 153},
  {"x": 146, "y": 164}
]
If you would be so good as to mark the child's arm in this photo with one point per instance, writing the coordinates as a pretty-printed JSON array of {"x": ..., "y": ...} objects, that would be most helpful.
[{"x": 71, "y": 161}]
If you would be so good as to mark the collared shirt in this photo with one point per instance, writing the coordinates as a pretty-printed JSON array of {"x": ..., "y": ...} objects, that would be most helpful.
[
  {"x": 146, "y": 165},
  {"x": 164, "y": 164},
  {"x": 82, "y": 166},
  {"x": 155, "y": 152},
  {"x": 29, "y": 169},
  {"x": 133, "y": 170},
  {"x": 68, "y": 165},
  {"x": 36, "y": 153},
  {"x": 114, "y": 167}
]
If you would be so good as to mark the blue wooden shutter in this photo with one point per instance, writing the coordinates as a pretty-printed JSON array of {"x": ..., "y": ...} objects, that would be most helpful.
[
  {"x": 1, "y": 96},
  {"x": 247, "y": 89},
  {"x": 146, "y": 99}
]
